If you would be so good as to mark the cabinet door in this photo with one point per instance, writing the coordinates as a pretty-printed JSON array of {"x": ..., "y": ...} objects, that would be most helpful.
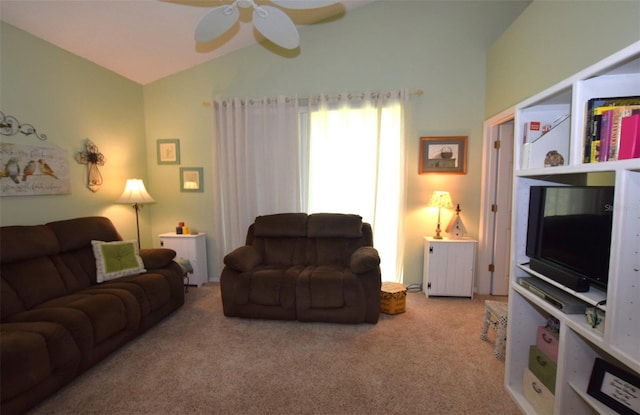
[
  {"x": 193, "y": 249},
  {"x": 450, "y": 268}
]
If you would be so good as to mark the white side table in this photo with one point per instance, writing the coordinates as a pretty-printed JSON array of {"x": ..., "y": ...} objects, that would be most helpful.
[
  {"x": 190, "y": 247},
  {"x": 449, "y": 267}
]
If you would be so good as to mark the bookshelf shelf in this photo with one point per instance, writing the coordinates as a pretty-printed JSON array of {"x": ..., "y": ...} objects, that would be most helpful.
[{"x": 580, "y": 344}]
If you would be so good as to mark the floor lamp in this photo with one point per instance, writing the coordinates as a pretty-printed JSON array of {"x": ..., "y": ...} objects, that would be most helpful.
[
  {"x": 136, "y": 195},
  {"x": 440, "y": 199}
]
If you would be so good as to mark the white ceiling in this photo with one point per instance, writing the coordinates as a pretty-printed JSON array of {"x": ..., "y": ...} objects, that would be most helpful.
[{"x": 143, "y": 40}]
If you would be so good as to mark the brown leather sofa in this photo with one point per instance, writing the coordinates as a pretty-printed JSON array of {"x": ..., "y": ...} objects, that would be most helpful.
[
  {"x": 318, "y": 267},
  {"x": 56, "y": 320}
]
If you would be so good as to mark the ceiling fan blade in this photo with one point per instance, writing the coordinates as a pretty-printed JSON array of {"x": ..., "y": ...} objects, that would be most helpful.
[
  {"x": 303, "y": 4},
  {"x": 276, "y": 26},
  {"x": 216, "y": 22}
]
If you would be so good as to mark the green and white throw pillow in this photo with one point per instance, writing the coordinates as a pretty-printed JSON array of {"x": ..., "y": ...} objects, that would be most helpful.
[{"x": 116, "y": 259}]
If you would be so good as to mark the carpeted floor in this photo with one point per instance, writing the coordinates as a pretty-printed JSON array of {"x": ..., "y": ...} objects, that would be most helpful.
[{"x": 428, "y": 360}]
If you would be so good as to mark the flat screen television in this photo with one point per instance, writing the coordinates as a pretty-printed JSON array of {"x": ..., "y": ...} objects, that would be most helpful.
[{"x": 569, "y": 234}]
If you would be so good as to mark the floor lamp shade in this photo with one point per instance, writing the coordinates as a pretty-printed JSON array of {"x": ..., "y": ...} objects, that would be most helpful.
[
  {"x": 135, "y": 192},
  {"x": 136, "y": 195}
]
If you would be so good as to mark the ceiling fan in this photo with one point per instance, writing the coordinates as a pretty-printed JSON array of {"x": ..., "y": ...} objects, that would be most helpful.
[{"x": 273, "y": 23}]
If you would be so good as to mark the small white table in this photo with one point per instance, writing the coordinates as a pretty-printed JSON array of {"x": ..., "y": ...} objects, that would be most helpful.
[
  {"x": 449, "y": 267},
  {"x": 192, "y": 247}
]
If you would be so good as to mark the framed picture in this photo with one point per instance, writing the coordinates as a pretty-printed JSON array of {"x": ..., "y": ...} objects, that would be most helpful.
[
  {"x": 614, "y": 387},
  {"x": 191, "y": 179},
  {"x": 168, "y": 150},
  {"x": 443, "y": 155}
]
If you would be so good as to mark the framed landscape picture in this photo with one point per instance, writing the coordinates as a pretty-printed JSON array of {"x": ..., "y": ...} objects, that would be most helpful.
[{"x": 443, "y": 155}]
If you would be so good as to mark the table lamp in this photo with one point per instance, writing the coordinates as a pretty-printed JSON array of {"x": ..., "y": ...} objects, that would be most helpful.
[{"x": 440, "y": 199}]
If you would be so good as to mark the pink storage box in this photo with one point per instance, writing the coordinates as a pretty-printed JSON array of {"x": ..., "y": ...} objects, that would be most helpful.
[{"x": 547, "y": 342}]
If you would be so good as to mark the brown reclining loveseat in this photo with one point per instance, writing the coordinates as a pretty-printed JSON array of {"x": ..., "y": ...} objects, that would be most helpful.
[
  {"x": 318, "y": 267},
  {"x": 56, "y": 320}
]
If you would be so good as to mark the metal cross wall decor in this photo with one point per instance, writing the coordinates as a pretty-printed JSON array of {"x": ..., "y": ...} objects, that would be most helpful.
[{"x": 92, "y": 157}]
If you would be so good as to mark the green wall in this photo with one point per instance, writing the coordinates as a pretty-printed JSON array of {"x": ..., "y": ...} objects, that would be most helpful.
[
  {"x": 454, "y": 51},
  {"x": 70, "y": 99},
  {"x": 439, "y": 47},
  {"x": 552, "y": 40}
]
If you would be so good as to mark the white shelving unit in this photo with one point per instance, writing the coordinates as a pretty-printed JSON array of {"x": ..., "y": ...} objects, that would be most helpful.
[
  {"x": 579, "y": 344},
  {"x": 449, "y": 267},
  {"x": 192, "y": 247}
]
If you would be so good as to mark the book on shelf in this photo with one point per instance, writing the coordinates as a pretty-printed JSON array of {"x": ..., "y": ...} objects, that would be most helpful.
[
  {"x": 595, "y": 151},
  {"x": 595, "y": 109},
  {"x": 629, "y": 137},
  {"x": 614, "y": 118},
  {"x": 606, "y": 124}
]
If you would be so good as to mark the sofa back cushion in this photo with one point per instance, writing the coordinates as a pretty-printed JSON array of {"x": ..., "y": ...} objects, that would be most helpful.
[
  {"x": 333, "y": 237},
  {"x": 77, "y": 261},
  {"x": 334, "y": 225},
  {"x": 74, "y": 234},
  {"x": 281, "y": 239},
  {"x": 42, "y": 262},
  {"x": 29, "y": 275}
]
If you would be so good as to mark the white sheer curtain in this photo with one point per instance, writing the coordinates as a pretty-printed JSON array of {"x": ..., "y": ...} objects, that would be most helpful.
[
  {"x": 257, "y": 164},
  {"x": 356, "y": 154}
]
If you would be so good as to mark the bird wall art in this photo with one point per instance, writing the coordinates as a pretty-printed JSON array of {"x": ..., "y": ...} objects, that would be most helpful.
[{"x": 27, "y": 170}]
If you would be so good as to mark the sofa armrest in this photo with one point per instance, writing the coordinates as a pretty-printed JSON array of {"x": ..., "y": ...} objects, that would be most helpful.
[
  {"x": 364, "y": 259},
  {"x": 155, "y": 258},
  {"x": 243, "y": 259}
]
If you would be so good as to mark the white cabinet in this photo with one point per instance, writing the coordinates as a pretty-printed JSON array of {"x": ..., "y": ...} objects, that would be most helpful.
[
  {"x": 579, "y": 343},
  {"x": 449, "y": 267},
  {"x": 193, "y": 248}
]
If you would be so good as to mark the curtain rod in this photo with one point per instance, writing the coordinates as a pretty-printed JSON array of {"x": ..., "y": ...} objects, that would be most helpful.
[{"x": 418, "y": 92}]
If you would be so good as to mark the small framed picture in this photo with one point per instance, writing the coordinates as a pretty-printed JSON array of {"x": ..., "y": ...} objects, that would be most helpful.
[
  {"x": 191, "y": 179},
  {"x": 614, "y": 387},
  {"x": 168, "y": 150},
  {"x": 443, "y": 155}
]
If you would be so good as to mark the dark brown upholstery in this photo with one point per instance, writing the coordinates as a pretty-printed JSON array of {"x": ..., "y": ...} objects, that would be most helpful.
[
  {"x": 56, "y": 320},
  {"x": 294, "y": 266}
]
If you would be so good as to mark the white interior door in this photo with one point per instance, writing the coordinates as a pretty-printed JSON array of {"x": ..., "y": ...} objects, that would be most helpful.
[
  {"x": 495, "y": 221},
  {"x": 502, "y": 223}
]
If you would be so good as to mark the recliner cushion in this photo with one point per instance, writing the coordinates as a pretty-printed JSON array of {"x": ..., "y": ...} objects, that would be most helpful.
[
  {"x": 33, "y": 352},
  {"x": 77, "y": 233},
  {"x": 327, "y": 287},
  {"x": 25, "y": 242},
  {"x": 34, "y": 281},
  {"x": 272, "y": 286},
  {"x": 334, "y": 225},
  {"x": 281, "y": 225}
]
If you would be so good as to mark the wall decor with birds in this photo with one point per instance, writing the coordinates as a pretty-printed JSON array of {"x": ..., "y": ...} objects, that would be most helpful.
[{"x": 27, "y": 170}]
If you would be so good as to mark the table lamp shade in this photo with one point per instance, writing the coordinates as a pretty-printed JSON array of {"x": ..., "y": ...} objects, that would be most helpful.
[{"x": 441, "y": 199}]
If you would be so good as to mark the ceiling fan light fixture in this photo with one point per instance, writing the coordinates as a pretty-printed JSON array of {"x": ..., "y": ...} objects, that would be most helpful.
[{"x": 271, "y": 22}]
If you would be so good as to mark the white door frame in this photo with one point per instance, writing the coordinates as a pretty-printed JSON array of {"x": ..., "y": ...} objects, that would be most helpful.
[{"x": 488, "y": 194}]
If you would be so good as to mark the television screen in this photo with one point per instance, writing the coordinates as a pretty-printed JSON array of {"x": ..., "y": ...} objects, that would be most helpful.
[{"x": 569, "y": 235}]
